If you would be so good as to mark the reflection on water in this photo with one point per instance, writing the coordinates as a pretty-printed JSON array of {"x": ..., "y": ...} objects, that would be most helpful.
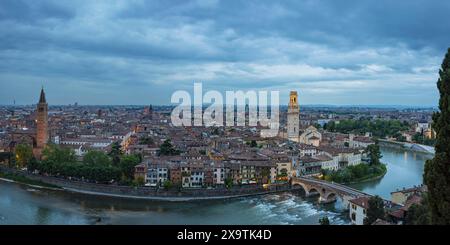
[
  {"x": 23, "y": 205},
  {"x": 405, "y": 169}
]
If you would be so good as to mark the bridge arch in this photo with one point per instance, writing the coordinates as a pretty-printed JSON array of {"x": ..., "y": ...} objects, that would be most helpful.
[
  {"x": 314, "y": 191},
  {"x": 331, "y": 196},
  {"x": 301, "y": 187},
  {"x": 328, "y": 191}
]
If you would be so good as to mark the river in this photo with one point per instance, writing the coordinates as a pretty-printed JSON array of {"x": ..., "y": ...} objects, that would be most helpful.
[{"x": 20, "y": 204}]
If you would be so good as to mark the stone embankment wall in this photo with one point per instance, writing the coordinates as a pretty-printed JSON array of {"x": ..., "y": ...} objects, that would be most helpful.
[{"x": 150, "y": 192}]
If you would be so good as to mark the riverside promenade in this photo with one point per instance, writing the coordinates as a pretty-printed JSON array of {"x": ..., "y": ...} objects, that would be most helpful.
[{"x": 151, "y": 193}]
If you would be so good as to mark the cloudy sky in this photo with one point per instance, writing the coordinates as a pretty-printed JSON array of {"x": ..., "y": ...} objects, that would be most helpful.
[{"x": 139, "y": 52}]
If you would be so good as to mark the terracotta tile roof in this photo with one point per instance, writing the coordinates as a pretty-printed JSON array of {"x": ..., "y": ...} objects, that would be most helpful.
[
  {"x": 361, "y": 201},
  {"x": 399, "y": 213}
]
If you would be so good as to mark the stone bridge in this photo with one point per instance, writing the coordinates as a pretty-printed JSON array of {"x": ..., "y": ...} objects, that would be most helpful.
[{"x": 328, "y": 191}]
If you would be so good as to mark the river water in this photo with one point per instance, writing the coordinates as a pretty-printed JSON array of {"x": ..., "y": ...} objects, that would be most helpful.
[{"x": 20, "y": 204}]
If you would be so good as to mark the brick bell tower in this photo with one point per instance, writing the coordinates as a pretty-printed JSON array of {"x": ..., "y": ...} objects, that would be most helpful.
[
  {"x": 293, "y": 121},
  {"x": 41, "y": 125}
]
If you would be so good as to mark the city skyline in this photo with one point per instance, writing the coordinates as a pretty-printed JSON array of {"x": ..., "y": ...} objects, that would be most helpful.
[{"x": 352, "y": 53}]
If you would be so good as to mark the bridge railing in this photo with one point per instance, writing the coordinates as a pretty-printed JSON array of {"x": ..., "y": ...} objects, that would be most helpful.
[{"x": 332, "y": 185}]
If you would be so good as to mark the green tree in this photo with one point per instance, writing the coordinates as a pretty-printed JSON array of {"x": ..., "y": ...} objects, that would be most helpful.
[
  {"x": 146, "y": 140},
  {"x": 167, "y": 149},
  {"x": 127, "y": 164},
  {"x": 437, "y": 170},
  {"x": 228, "y": 183},
  {"x": 167, "y": 184},
  {"x": 330, "y": 126},
  {"x": 253, "y": 143},
  {"x": 55, "y": 154},
  {"x": 33, "y": 164},
  {"x": 116, "y": 153},
  {"x": 139, "y": 181},
  {"x": 374, "y": 154},
  {"x": 324, "y": 221},
  {"x": 24, "y": 153},
  {"x": 375, "y": 210},
  {"x": 418, "y": 214},
  {"x": 378, "y": 128},
  {"x": 421, "y": 139},
  {"x": 97, "y": 158}
]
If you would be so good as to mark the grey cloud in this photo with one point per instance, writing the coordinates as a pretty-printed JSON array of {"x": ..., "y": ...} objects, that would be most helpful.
[{"x": 317, "y": 46}]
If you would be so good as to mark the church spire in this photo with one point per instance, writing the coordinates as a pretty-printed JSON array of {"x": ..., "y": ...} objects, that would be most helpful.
[{"x": 42, "y": 97}]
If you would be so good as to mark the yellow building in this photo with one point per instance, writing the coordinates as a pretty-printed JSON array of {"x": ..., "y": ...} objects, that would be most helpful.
[{"x": 401, "y": 196}]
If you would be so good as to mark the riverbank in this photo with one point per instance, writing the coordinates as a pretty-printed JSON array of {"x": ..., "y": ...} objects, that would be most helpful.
[
  {"x": 21, "y": 205},
  {"x": 147, "y": 193},
  {"x": 413, "y": 147},
  {"x": 15, "y": 178},
  {"x": 367, "y": 179},
  {"x": 174, "y": 199},
  {"x": 356, "y": 174}
]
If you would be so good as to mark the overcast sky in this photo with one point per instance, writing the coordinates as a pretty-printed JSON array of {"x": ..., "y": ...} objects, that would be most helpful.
[{"x": 139, "y": 52}]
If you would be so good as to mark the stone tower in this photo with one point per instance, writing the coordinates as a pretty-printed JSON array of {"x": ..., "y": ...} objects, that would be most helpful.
[
  {"x": 293, "y": 121},
  {"x": 42, "y": 124}
]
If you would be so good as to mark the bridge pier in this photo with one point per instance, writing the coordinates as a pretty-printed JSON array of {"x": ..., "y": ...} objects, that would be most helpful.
[
  {"x": 323, "y": 200},
  {"x": 311, "y": 194},
  {"x": 345, "y": 201}
]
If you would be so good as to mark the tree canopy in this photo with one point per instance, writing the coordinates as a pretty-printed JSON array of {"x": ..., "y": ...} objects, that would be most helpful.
[
  {"x": 97, "y": 158},
  {"x": 375, "y": 210},
  {"x": 418, "y": 214},
  {"x": 127, "y": 164},
  {"x": 324, "y": 221},
  {"x": 378, "y": 128},
  {"x": 146, "y": 140},
  {"x": 95, "y": 166},
  {"x": 24, "y": 153},
  {"x": 437, "y": 170},
  {"x": 167, "y": 149},
  {"x": 374, "y": 154},
  {"x": 116, "y": 153},
  {"x": 55, "y": 154}
]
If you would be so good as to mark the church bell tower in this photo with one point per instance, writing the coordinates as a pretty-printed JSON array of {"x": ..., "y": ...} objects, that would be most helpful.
[
  {"x": 293, "y": 120},
  {"x": 41, "y": 124}
]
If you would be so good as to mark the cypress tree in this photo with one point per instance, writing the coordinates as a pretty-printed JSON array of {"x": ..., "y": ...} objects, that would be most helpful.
[{"x": 437, "y": 170}]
